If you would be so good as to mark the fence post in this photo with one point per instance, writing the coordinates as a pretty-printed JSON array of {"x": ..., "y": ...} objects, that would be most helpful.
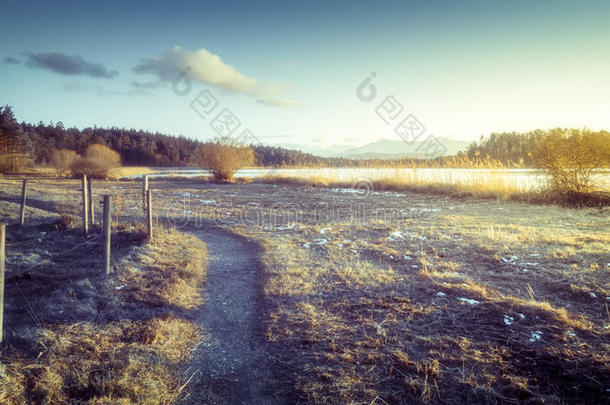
[
  {"x": 107, "y": 232},
  {"x": 2, "y": 261},
  {"x": 85, "y": 206},
  {"x": 144, "y": 190},
  {"x": 91, "y": 205},
  {"x": 149, "y": 216},
  {"x": 24, "y": 191}
]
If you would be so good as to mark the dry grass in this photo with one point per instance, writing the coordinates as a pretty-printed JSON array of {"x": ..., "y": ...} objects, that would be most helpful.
[
  {"x": 121, "y": 339},
  {"x": 490, "y": 184},
  {"x": 466, "y": 305},
  {"x": 367, "y": 308}
]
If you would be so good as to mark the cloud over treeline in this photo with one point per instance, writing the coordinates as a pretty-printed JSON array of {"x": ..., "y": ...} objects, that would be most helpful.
[{"x": 67, "y": 64}]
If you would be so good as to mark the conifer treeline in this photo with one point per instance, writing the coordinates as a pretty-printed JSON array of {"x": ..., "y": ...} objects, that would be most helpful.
[{"x": 143, "y": 148}]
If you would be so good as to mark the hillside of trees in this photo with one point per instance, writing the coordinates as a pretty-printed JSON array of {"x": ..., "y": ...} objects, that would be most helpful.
[
  {"x": 25, "y": 143},
  {"x": 513, "y": 149}
]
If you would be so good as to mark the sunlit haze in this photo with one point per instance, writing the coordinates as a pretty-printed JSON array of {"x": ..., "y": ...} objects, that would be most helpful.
[{"x": 289, "y": 71}]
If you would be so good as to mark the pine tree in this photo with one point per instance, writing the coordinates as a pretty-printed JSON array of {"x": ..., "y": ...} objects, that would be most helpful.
[{"x": 13, "y": 144}]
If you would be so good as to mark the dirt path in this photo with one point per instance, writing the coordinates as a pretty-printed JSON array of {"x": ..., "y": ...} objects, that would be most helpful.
[{"x": 232, "y": 367}]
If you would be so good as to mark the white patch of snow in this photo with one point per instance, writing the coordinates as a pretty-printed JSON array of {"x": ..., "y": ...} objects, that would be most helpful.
[
  {"x": 593, "y": 295},
  {"x": 509, "y": 259},
  {"x": 535, "y": 336},
  {"x": 208, "y": 202},
  {"x": 324, "y": 230},
  {"x": 441, "y": 294},
  {"x": 321, "y": 241},
  {"x": 306, "y": 245},
  {"x": 521, "y": 316},
  {"x": 469, "y": 301},
  {"x": 287, "y": 227},
  {"x": 396, "y": 235},
  {"x": 407, "y": 257},
  {"x": 508, "y": 320},
  {"x": 120, "y": 287}
]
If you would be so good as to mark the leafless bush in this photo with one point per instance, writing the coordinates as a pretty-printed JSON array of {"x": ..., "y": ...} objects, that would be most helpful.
[
  {"x": 15, "y": 163},
  {"x": 97, "y": 162},
  {"x": 571, "y": 157},
  {"x": 62, "y": 160},
  {"x": 223, "y": 158}
]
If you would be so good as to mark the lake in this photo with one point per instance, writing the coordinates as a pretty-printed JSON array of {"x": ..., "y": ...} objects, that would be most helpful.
[{"x": 521, "y": 179}]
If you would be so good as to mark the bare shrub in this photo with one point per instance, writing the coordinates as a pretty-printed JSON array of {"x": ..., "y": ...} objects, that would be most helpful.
[
  {"x": 97, "y": 162},
  {"x": 570, "y": 158},
  {"x": 62, "y": 160},
  {"x": 223, "y": 158}
]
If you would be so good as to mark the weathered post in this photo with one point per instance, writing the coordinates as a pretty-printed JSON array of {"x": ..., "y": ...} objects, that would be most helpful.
[
  {"x": 85, "y": 206},
  {"x": 107, "y": 232},
  {"x": 2, "y": 261},
  {"x": 149, "y": 215},
  {"x": 91, "y": 205},
  {"x": 144, "y": 190},
  {"x": 24, "y": 191}
]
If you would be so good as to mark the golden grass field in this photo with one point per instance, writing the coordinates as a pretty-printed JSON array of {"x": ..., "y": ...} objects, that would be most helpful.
[{"x": 402, "y": 297}]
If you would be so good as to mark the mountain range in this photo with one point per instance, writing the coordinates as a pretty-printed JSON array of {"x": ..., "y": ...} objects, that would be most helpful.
[{"x": 382, "y": 149}]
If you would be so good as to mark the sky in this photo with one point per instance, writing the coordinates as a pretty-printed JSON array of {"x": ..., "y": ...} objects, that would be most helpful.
[{"x": 292, "y": 73}]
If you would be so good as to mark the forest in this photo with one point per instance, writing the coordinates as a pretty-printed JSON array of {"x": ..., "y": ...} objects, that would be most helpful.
[{"x": 35, "y": 143}]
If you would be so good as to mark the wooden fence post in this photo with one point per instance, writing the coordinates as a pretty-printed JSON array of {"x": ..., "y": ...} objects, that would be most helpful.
[
  {"x": 85, "y": 206},
  {"x": 107, "y": 232},
  {"x": 2, "y": 261},
  {"x": 144, "y": 190},
  {"x": 24, "y": 191},
  {"x": 149, "y": 215},
  {"x": 91, "y": 205}
]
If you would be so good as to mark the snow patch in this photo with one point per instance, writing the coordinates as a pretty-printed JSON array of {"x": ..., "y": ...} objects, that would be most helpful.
[
  {"x": 536, "y": 336},
  {"x": 508, "y": 320},
  {"x": 441, "y": 294},
  {"x": 469, "y": 301},
  {"x": 396, "y": 235},
  {"x": 509, "y": 259}
]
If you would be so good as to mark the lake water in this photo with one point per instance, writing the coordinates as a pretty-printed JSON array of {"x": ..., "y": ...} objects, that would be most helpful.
[{"x": 522, "y": 179}]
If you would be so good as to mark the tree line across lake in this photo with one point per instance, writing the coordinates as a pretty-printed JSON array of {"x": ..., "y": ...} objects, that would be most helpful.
[{"x": 24, "y": 143}]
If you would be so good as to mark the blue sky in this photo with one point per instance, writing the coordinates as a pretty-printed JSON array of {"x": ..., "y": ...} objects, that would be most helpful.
[{"x": 289, "y": 71}]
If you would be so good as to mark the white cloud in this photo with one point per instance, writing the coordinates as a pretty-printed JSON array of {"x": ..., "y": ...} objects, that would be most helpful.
[{"x": 206, "y": 67}]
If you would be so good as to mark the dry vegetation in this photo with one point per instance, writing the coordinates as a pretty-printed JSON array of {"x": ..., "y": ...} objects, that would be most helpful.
[
  {"x": 466, "y": 305},
  {"x": 74, "y": 335},
  {"x": 97, "y": 162},
  {"x": 223, "y": 158},
  {"x": 492, "y": 184},
  {"x": 410, "y": 297}
]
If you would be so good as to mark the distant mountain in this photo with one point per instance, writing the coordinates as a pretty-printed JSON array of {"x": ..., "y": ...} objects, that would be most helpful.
[
  {"x": 319, "y": 150},
  {"x": 389, "y": 148}
]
